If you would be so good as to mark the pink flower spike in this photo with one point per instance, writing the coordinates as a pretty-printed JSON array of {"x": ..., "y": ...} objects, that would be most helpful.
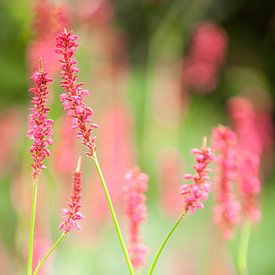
[
  {"x": 198, "y": 191},
  {"x": 72, "y": 100},
  {"x": 136, "y": 185},
  {"x": 227, "y": 209},
  {"x": 71, "y": 215},
  {"x": 39, "y": 126}
]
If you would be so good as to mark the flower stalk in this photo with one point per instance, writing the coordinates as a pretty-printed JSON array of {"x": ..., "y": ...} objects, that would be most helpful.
[
  {"x": 114, "y": 217},
  {"x": 49, "y": 253},
  {"x": 155, "y": 260}
]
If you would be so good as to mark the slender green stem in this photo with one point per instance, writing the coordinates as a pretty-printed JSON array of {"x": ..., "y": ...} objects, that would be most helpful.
[
  {"x": 49, "y": 253},
  {"x": 32, "y": 224},
  {"x": 152, "y": 267},
  {"x": 243, "y": 248},
  {"x": 117, "y": 227}
]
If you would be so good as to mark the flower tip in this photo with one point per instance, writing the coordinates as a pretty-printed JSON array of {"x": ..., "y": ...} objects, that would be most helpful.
[
  {"x": 204, "y": 143},
  {"x": 40, "y": 65},
  {"x": 77, "y": 170}
]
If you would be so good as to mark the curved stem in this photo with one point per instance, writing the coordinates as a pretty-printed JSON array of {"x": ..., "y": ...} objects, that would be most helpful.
[
  {"x": 152, "y": 267},
  {"x": 49, "y": 253},
  {"x": 114, "y": 217},
  {"x": 32, "y": 225},
  {"x": 243, "y": 248}
]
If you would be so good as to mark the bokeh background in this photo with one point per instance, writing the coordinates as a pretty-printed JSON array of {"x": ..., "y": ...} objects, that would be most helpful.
[{"x": 161, "y": 74}]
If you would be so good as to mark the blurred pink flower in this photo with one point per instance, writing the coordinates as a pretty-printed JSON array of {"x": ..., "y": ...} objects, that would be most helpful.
[
  {"x": 170, "y": 178},
  {"x": 134, "y": 189},
  {"x": 65, "y": 154},
  {"x": 49, "y": 19},
  {"x": 227, "y": 209},
  {"x": 73, "y": 98},
  {"x": 39, "y": 126},
  {"x": 71, "y": 215},
  {"x": 205, "y": 57},
  {"x": 198, "y": 191},
  {"x": 250, "y": 150}
]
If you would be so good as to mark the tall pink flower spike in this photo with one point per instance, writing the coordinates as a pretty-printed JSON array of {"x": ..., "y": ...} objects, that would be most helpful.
[
  {"x": 136, "y": 186},
  {"x": 250, "y": 150},
  {"x": 227, "y": 209},
  {"x": 39, "y": 126},
  {"x": 73, "y": 98},
  {"x": 71, "y": 215},
  {"x": 197, "y": 192}
]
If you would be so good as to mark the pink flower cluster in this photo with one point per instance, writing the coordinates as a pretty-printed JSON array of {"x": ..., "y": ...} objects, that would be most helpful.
[
  {"x": 73, "y": 98},
  {"x": 136, "y": 212},
  {"x": 71, "y": 215},
  {"x": 227, "y": 209},
  {"x": 197, "y": 192},
  {"x": 39, "y": 126},
  {"x": 250, "y": 149},
  {"x": 205, "y": 57},
  {"x": 49, "y": 19}
]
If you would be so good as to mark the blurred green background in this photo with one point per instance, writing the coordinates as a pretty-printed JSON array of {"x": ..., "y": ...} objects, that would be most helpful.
[{"x": 131, "y": 57}]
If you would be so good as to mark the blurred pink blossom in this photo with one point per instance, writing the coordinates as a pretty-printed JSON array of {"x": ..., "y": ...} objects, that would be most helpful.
[
  {"x": 250, "y": 150},
  {"x": 134, "y": 189},
  {"x": 227, "y": 209}
]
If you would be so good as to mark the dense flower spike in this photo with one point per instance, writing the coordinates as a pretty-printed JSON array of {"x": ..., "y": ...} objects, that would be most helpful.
[
  {"x": 243, "y": 117},
  {"x": 39, "y": 126},
  {"x": 136, "y": 185},
  {"x": 73, "y": 98},
  {"x": 198, "y": 191},
  {"x": 227, "y": 209},
  {"x": 71, "y": 215}
]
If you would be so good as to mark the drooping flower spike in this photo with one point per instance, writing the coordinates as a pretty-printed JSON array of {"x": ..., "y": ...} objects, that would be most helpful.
[
  {"x": 71, "y": 215},
  {"x": 72, "y": 100},
  {"x": 136, "y": 186},
  {"x": 197, "y": 192},
  {"x": 39, "y": 125},
  {"x": 227, "y": 209}
]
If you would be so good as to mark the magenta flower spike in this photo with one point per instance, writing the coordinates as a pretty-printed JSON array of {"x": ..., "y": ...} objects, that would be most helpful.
[
  {"x": 136, "y": 186},
  {"x": 197, "y": 192},
  {"x": 227, "y": 209},
  {"x": 73, "y": 98},
  {"x": 71, "y": 215},
  {"x": 39, "y": 125}
]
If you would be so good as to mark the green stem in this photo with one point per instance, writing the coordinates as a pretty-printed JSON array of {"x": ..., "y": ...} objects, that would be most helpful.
[
  {"x": 32, "y": 224},
  {"x": 117, "y": 227},
  {"x": 49, "y": 253},
  {"x": 243, "y": 248},
  {"x": 152, "y": 267}
]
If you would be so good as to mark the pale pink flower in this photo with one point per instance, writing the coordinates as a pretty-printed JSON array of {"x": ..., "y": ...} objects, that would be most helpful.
[
  {"x": 250, "y": 150},
  {"x": 136, "y": 186},
  {"x": 49, "y": 19},
  {"x": 197, "y": 192},
  {"x": 227, "y": 209},
  {"x": 39, "y": 126},
  {"x": 205, "y": 57},
  {"x": 71, "y": 215},
  {"x": 73, "y": 98}
]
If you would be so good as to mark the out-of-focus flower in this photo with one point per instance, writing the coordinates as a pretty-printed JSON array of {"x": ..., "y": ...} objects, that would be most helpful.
[
  {"x": 71, "y": 215},
  {"x": 136, "y": 186},
  {"x": 49, "y": 19},
  {"x": 205, "y": 57},
  {"x": 227, "y": 209},
  {"x": 65, "y": 155},
  {"x": 197, "y": 192},
  {"x": 250, "y": 149},
  {"x": 170, "y": 179},
  {"x": 39, "y": 126},
  {"x": 73, "y": 98}
]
